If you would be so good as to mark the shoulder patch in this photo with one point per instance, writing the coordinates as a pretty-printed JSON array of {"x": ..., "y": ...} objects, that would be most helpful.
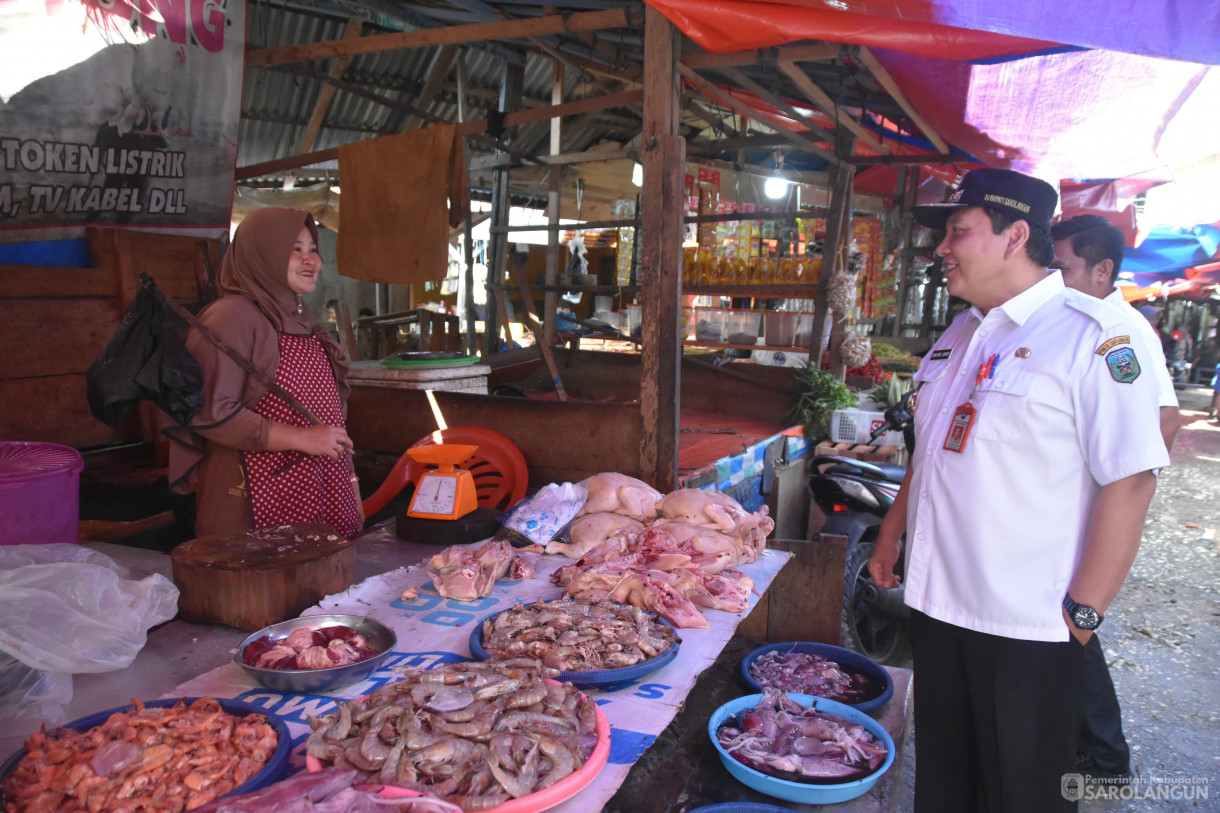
[
  {"x": 1110, "y": 344},
  {"x": 1124, "y": 366}
]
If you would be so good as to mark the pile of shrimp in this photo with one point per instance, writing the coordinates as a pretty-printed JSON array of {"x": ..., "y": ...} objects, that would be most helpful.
[
  {"x": 473, "y": 734},
  {"x": 148, "y": 758},
  {"x": 576, "y": 635}
]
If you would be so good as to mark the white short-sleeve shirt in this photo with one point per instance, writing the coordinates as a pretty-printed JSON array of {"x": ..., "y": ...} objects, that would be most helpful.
[
  {"x": 1140, "y": 327},
  {"x": 994, "y": 532}
]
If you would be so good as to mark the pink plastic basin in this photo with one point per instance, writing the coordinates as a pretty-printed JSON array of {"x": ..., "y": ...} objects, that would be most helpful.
[{"x": 39, "y": 493}]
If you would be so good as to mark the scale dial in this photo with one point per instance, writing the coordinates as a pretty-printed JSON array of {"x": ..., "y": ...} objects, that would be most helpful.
[{"x": 435, "y": 494}]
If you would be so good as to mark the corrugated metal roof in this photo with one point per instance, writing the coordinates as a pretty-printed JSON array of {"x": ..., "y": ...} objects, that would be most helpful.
[{"x": 378, "y": 91}]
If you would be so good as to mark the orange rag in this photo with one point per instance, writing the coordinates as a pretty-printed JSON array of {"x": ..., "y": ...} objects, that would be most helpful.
[{"x": 393, "y": 222}]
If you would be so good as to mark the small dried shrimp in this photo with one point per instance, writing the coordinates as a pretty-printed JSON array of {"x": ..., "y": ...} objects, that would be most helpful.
[
  {"x": 575, "y": 635},
  {"x": 473, "y": 734},
  {"x": 152, "y": 758}
]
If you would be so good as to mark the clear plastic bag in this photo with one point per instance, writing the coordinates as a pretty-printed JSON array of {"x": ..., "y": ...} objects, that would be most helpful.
[
  {"x": 542, "y": 516},
  {"x": 65, "y": 609}
]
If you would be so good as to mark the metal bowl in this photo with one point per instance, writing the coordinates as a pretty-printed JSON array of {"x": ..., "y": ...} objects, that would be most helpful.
[{"x": 313, "y": 681}]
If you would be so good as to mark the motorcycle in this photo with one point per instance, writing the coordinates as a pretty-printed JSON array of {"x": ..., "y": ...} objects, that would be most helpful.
[{"x": 854, "y": 496}]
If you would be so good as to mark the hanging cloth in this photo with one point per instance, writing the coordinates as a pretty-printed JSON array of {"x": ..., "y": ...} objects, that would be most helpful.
[
  {"x": 393, "y": 222},
  {"x": 289, "y": 487}
]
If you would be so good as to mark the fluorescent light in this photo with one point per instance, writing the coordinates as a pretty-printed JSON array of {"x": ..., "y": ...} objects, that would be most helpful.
[
  {"x": 637, "y": 174},
  {"x": 776, "y": 187}
]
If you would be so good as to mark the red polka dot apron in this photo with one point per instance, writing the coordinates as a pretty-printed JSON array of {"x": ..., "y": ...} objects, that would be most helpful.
[{"x": 292, "y": 486}]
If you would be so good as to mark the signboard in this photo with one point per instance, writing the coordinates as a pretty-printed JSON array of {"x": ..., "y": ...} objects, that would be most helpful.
[{"x": 118, "y": 113}]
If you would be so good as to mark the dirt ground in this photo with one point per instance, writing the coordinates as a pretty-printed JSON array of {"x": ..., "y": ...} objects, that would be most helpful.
[{"x": 1161, "y": 638}]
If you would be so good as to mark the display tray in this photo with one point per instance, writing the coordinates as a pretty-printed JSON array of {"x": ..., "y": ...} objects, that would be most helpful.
[
  {"x": 810, "y": 794},
  {"x": 592, "y": 678},
  {"x": 540, "y": 800},
  {"x": 848, "y": 659},
  {"x": 418, "y": 360},
  {"x": 271, "y": 772}
]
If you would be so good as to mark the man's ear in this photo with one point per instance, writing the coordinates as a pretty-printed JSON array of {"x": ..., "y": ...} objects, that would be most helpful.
[
  {"x": 1101, "y": 271},
  {"x": 1018, "y": 236}
]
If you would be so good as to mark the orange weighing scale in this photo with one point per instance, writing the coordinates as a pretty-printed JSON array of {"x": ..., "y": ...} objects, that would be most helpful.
[{"x": 444, "y": 509}]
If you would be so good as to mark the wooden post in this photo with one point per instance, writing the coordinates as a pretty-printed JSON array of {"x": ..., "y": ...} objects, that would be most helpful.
[
  {"x": 834, "y": 251},
  {"x": 908, "y": 185},
  {"x": 467, "y": 230},
  {"x": 510, "y": 94},
  {"x": 551, "y": 299},
  {"x": 664, "y": 160}
]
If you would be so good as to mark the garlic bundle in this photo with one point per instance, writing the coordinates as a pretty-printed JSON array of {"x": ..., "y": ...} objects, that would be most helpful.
[
  {"x": 856, "y": 350},
  {"x": 841, "y": 293}
]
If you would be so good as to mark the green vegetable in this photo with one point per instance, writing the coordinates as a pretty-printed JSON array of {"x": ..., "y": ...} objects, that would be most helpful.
[{"x": 820, "y": 395}]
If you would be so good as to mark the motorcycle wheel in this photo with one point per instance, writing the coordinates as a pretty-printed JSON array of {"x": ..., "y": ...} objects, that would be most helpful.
[{"x": 880, "y": 636}]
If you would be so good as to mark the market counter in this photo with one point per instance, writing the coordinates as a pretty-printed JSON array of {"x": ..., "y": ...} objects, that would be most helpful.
[{"x": 656, "y": 767}]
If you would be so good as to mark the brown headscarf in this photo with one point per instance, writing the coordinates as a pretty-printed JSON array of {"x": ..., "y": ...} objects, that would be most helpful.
[{"x": 256, "y": 267}]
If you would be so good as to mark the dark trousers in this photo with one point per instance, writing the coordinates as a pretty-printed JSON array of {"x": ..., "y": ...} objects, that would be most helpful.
[
  {"x": 1101, "y": 730},
  {"x": 996, "y": 720}
]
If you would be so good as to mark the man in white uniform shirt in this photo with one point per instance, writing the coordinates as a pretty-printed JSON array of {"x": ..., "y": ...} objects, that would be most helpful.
[
  {"x": 1089, "y": 255},
  {"x": 1036, "y": 440}
]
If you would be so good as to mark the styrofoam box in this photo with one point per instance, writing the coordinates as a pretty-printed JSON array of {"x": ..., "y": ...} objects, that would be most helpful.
[{"x": 855, "y": 426}]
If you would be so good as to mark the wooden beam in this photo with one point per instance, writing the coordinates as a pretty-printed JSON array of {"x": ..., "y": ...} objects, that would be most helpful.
[
  {"x": 886, "y": 81},
  {"x": 930, "y": 158},
  {"x": 436, "y": 78},
  {"x": 625, "y": 98},
  {"x": 451, "y": 35},
  {"x": 327, "y": 93},
  {"x": 736, "y": 59},
  {"x": 827, "y": 105},
  {"x": 697, "y": 109},
  {"x": 660, "y": 247},
  {"x": 712, "y": 92},
  {"x": 561, "y": 160},
  {"x": 766, "y": 95}
]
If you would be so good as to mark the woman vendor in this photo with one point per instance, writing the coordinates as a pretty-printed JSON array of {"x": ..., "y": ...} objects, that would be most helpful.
[{"x": 252, "y": 459}]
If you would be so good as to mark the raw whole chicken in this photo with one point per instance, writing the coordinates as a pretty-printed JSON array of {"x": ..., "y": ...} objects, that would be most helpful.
[
  {"x": 620, "y": 494},
  {"x": 721, "y": 513},
  {"x": 590, "y": 530},
  {"x": 466, "y": 575}
]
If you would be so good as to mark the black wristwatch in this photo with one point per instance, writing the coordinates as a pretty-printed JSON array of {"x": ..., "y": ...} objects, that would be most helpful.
[{"x": 1082, "y": 615}]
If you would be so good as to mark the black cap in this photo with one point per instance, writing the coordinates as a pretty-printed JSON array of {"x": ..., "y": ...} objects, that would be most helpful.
[{"x": 1024, "y": 197}]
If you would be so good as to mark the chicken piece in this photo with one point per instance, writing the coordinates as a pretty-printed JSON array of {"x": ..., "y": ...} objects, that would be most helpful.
[
  {"x": 314, "y": 657},
  {"x": 620, "y": 494},
  {"x": 301, "y": 639},
  {"x": 590, "y": 530},
  {"x": 465, "y": 576},
  {"x": 640, "y": 590},
  {"x": 704, "y": 589},
  {"x": 276, "y": 658},
  {"x": 712, "y": 551}
]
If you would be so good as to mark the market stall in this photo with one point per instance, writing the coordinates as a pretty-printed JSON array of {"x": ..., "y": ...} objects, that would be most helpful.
[{"x": 183, "y": 659}]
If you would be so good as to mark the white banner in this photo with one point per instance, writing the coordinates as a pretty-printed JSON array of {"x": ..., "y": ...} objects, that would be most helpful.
[{"x": 118, "y": 113}]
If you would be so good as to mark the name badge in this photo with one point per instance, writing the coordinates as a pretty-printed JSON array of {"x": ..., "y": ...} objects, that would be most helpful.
[{"x": 959, "y": 428}]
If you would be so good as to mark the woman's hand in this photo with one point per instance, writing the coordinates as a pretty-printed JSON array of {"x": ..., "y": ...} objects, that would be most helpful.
[
  {"x": 331, "y": 441},
  {"x": 321, "y": 440}
]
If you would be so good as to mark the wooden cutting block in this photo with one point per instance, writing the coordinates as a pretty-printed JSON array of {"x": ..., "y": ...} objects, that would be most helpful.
[{"x": 252, "y": 579}]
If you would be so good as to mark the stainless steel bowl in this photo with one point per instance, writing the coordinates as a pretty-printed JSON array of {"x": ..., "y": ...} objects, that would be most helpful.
[{"x": 313, "y": 681}]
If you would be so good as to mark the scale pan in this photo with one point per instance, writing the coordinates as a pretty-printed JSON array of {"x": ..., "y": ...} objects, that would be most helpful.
[{"x": 437, "y": 454}]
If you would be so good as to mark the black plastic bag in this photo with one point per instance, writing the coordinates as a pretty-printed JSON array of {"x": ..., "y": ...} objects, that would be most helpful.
[{"x": 147, "y": 360}]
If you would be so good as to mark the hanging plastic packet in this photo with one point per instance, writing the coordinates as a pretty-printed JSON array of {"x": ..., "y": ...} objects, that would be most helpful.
[{"x": 541, "y": 517}]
